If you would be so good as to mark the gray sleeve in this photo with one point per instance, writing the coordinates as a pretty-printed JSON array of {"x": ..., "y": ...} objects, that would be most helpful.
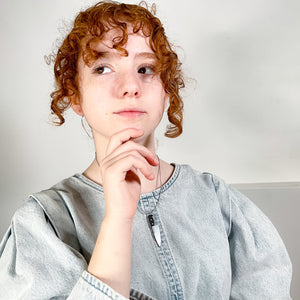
[
  {"x": 36, "y": 264},
  {"x": 261, "y": 267}
]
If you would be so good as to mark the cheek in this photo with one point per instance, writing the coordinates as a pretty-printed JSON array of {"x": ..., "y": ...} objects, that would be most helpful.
[
  {"x": 164, "y": 99},
  {"x": 92, "y": 94},
  {"x": 157, "y": 90},
  {"x": 161, "y": 101}
]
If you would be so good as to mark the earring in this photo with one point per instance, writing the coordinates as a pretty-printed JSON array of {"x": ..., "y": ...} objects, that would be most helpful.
[{"x": 84, "y": 127}]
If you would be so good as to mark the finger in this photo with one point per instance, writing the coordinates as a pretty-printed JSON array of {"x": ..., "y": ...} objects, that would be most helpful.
[
  {"x": 121, "y": 137},
  {"x": 132, "y": 146},
  {"x": 110, "y": 161},
  {"x": 126, "y": 162}
]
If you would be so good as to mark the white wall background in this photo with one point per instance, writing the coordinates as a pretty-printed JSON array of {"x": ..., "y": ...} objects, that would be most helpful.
[{"x": 242, "y": 111}]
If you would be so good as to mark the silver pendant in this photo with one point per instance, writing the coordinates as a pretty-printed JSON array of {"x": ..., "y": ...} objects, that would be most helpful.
[
  {"x": 156, "y": 233},
  {"x": 154, "y": 230}
]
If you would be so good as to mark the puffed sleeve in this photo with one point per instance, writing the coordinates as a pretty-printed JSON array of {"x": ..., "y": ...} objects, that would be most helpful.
[
  {"x": 36, "y": 264},
  {"x": 261, "y": 268}
]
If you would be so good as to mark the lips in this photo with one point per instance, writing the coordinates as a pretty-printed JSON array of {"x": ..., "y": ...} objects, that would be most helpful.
[{"x": 130, "y": 112}]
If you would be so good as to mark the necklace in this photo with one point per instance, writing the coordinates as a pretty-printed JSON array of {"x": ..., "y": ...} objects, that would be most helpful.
[{"x": 154, "y": 228}]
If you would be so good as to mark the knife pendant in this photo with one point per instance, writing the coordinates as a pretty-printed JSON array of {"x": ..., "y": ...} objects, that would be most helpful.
[{"x": 154, "y": 230}]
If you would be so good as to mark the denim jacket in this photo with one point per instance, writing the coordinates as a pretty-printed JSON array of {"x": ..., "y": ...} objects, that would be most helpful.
[{"x": 215, "y": 244}]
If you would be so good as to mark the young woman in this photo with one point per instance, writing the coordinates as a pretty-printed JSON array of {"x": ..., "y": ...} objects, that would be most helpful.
[{"x": 133, "y": 225}]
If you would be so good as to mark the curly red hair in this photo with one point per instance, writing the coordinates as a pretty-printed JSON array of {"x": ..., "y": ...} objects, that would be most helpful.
[{"x": 90, "y": 26}]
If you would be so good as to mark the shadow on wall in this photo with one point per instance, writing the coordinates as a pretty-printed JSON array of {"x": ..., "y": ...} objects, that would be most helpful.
[{"x": 12, "y": 170}]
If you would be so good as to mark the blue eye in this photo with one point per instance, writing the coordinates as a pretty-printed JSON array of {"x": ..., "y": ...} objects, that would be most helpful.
[
  {"x": 146, "y": 70},
  {"x": 103, "y": 70}
]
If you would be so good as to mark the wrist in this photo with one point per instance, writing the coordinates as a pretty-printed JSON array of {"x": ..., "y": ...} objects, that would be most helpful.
[{"x": 116, "y": 220}]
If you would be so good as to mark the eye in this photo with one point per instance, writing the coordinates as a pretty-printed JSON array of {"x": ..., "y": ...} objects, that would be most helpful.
[
  {"x": 148, "y": 70},
  {"x": 102, "y": 70}
]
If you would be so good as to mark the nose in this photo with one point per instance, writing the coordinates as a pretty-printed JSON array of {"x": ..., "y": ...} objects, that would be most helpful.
[{"x": 129, "y": 85}]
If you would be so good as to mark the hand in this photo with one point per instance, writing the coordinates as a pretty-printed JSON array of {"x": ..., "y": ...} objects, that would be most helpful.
[{"x": 119, "y": 170}]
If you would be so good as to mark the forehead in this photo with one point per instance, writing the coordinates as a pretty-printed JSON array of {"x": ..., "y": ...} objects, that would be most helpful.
[{"x": 136, "y": 42}]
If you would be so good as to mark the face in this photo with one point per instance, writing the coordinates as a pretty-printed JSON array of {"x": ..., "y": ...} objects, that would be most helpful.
[{"x": 118, "y": 92}]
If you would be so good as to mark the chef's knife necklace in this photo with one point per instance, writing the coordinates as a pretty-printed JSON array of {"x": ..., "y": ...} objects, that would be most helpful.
[{"x": 154, "y": 228}]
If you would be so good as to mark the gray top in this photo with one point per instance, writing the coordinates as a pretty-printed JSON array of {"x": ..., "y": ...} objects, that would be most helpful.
[{"x": 215, "y": 244}]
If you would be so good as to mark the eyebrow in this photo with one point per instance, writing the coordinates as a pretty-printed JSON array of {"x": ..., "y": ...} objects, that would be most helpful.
[
  {"x": 108, "y": 54},
  {"x": 150, "y": 55}
]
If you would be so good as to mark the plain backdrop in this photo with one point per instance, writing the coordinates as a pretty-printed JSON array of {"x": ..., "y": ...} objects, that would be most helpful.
[{"x": 241, "y": 60}]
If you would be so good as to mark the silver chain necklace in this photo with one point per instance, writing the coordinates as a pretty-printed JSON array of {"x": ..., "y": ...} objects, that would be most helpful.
[
  {"x": 149, "y": 216},
  {"x": 154, "y": 227}
]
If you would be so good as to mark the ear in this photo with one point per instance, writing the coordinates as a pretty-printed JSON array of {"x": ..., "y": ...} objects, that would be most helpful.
[{"x": 75, "y": 104}]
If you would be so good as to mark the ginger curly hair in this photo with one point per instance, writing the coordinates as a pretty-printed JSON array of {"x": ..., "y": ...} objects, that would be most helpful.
[{"x": 90, "y": 26}]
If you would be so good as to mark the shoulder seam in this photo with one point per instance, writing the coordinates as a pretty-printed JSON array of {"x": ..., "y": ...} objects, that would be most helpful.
[
  {"x": 229, "y": 200},
  {"x": 47, "y": 217}
]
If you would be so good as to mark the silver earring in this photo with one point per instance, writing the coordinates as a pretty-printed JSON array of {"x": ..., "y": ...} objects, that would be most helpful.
[{"x": 84, "y": 127}]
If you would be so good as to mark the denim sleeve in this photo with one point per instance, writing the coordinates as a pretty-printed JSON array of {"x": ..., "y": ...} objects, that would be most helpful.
[
  {"x": 36, "y": 264},
  {"x": 261, "y": 268}
]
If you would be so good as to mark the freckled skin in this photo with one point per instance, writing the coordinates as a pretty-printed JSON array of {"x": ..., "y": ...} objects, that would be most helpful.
[{"x": 121, "y": 82}]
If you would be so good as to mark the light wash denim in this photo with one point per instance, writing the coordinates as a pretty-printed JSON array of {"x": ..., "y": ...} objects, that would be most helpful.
[{"x": 216, "y": 244}]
